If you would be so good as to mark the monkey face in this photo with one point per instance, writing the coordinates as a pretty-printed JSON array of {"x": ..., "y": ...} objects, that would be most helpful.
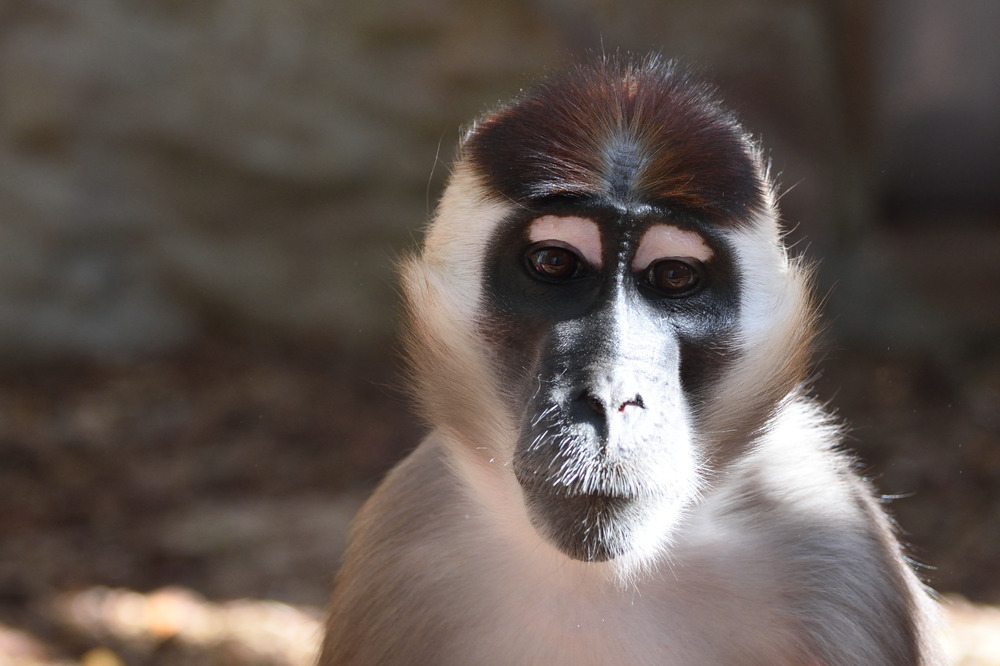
[
  {"x": 604, "y": 305},
  {"x": 601, "y": 311}
]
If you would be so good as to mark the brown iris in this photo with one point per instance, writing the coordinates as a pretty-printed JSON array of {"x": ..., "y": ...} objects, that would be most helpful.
[
  {"x": 554, "y": 263},
  {"x": 673, "y": 277}
]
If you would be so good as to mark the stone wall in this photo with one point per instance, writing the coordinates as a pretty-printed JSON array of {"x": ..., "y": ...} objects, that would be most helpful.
[{"x": 167, "y": 166}]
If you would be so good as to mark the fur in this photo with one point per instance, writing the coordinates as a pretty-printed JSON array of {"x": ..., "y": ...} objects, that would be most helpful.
[{"x": 745, "y": 538}]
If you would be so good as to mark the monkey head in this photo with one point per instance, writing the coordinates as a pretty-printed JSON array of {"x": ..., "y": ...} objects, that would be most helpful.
[{"x": 604, "y": 315}]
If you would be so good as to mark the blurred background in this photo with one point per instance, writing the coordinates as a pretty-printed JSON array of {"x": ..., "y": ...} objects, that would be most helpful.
[{"x": 201, "y": 202}]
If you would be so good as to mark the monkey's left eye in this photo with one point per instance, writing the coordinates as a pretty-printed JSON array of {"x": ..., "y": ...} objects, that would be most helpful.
[
  {"x": 555, "y": 263},
  {"x": 674, "y": 277}
]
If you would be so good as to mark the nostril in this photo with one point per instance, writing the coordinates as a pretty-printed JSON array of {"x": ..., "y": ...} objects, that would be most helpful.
[
  {"x": 634, "y": 402},
  {"x": 595, "y": 404}
]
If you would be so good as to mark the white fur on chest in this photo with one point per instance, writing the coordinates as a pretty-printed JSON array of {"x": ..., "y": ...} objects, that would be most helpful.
[{"x": 714, "y": 598}]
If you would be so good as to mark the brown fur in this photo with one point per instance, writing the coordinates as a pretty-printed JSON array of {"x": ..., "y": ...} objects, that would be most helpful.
[
  {"x": 781, "y": 557},
  {"x": 635, "y": 133}
]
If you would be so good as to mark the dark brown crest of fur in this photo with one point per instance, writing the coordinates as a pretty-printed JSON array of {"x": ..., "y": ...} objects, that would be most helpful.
[{"x": 626, "y": 132}]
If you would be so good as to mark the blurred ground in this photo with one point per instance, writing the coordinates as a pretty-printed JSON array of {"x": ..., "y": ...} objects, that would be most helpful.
[{"x": 174, "y": 626}]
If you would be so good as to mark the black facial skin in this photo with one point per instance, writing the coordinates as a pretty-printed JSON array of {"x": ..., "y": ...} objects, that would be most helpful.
[
  {"x": 560, "y": 345},
  {"x": 605, "y": 373},
  {"x": 522, "y": 308}
]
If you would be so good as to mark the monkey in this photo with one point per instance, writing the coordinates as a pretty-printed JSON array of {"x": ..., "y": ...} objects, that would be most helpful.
[{"x": 611, "y": 344}]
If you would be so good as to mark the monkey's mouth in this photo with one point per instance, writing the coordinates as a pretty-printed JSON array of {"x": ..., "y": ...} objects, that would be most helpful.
[
  {"x": 591, "y": 527},
  {"x": 592, "y": 483}
]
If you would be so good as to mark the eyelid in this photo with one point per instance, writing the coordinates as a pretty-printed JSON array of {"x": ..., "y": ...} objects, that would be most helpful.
[
  {"x": 581, "y": 233},
  {"x": 691, "y": 261},
  {"x": 664, "y": 241}
]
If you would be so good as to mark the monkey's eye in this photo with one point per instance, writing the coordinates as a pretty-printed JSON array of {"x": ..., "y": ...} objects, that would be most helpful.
[
  {"x": 674, "y": 277},
  {"x": 554, "y": 263}
]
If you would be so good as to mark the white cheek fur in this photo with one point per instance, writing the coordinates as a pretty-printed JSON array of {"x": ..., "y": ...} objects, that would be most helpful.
[
  {"x": 578, "y": 232},
  {"x": 662, "y": 241}
]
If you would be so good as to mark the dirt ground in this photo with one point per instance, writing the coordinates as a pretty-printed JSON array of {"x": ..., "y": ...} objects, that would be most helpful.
[{"x": 189, "y": 509}]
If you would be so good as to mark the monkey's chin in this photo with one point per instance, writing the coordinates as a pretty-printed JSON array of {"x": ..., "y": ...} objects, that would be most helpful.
[{"x": 585, "y": 527}]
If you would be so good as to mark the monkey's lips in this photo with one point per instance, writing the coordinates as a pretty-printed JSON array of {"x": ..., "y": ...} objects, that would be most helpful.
[
  {"x": 591, "y": 527},
  {"x": 593, "y": 486}
]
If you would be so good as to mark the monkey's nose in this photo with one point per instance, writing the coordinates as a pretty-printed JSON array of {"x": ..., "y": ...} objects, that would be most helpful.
[{"x": 599, "y": 405}]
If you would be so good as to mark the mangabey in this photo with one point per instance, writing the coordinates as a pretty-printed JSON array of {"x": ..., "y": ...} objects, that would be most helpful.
[{"x": 610, "y": 342}]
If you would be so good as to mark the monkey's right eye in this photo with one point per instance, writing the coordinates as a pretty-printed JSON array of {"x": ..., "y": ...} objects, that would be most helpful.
[
  {"x": 674, "y": 277},
  {"x": 554, "y": 263}
]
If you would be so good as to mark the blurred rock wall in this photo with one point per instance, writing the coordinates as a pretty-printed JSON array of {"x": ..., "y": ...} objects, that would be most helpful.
[
  {"x": 937, "y": 115},
  {"x": 169, "y": 166}
]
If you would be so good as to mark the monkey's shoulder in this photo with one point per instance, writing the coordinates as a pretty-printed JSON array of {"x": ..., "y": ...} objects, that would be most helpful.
[
  {"x": 795, "y": 523},
  {"x": 781, "y": 560}
]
